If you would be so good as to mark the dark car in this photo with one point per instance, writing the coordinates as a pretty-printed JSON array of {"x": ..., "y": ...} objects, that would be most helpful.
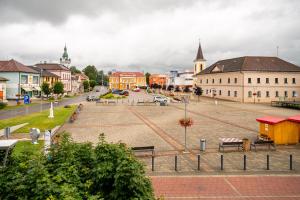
[
  {"x": 117, "y": 91},
  {"x": 125, "y": 93},
  {"x": 97, "y": 90},
  {"x": 91, "y": 98}
]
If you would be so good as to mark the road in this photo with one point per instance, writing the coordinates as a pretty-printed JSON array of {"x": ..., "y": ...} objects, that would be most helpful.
[{"x": 5, "y": 114}]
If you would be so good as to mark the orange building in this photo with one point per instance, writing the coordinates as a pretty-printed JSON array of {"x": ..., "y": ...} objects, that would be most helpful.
[
  {"x": 126, "y": 80},
  {"x": 159, "y": 79}
]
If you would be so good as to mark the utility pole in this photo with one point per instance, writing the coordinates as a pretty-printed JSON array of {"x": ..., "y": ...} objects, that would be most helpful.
[{"x": 277, "y": 53}]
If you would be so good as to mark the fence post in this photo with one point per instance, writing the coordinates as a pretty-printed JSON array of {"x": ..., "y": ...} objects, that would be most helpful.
[
  {"x": 245, "y": 162},
  {"x": 222, "y": 167},
  {"x": 152, "y": 158},
  {"x": 268, "y": 162},
  {"x": 176, "y": 163},
  {"x": 198, "y": 162},
  {"x": 291, "y": 162}
]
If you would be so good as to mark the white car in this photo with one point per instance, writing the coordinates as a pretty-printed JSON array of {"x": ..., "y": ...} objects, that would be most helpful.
[{"x": 160, "y": 99}]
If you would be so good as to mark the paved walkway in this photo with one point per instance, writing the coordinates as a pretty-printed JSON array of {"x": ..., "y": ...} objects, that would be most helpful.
[{"x": 227, "y": 187}]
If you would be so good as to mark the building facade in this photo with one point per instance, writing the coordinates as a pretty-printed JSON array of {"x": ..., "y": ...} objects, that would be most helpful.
[
  {"x": 158, "y": 79},
  {"x": 77, "y": 82},
  {"x": 46, "y": 76},
  {"x": 21, "y": 79},
  {"x": 127, "y": 80},
  {"x": 3, "y": 89},
  {"x": 63, "y": 72},
  {"x": 180, "y": 79},
  {"x": 251, "y": 79}
]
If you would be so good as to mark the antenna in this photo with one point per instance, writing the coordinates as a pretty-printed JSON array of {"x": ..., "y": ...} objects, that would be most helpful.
[{"x": 277, "y": 51}]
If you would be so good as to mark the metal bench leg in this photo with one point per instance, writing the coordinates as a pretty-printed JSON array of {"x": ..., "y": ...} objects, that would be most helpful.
[{"x": 5, "y": 157}]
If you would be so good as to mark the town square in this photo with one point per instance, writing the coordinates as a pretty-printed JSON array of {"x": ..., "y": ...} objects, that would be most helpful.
[{"x": 149, "y": 100}]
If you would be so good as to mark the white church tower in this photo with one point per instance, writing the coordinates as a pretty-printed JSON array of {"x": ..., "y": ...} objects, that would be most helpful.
[
  {"x": 65, "y": 60},
  {"x": 199, "y": 62}
]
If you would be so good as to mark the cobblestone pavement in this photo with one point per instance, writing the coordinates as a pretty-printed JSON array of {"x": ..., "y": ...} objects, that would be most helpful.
[
  {"x": 158, "y": 126},
  {"x": 228, "y": 187}
]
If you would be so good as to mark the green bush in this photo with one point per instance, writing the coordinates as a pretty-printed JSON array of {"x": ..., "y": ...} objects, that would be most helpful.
[
  {"x": 2, "y": 105},
  {"x": 76, "y": 171},
  {"x": 51, "y": 98}
]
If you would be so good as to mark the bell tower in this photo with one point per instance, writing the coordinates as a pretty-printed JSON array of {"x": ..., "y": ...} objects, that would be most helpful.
[
  {"x": 199, "y": 62},
  {"x": 65, "y": 60}
]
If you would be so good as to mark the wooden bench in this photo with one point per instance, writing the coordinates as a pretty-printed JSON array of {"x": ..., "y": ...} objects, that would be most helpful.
[
  {"x": 143, "y": 149},
  {"x": 230, "y": 142},
  {"x": 260, "y": 142}
]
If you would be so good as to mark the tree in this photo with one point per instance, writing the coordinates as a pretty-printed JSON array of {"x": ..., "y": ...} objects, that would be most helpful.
[
  {"x": 147, "y": 75},
  {"x": 198, "y": 91},
  {"x": 75, "y": 171},
  {"x": 92, "y": 83},
  {"x": 86, "y": 85},
  {"x": 170, "y": 87},
  {"x": 74, "y": 70},
  {"x": 46, "y": 88},
  {"x": 58, "y": 88},
  {"x": 102, "y": 78},
  {"x": 177, "y": 89},
  {"x": 91, "y": 72},
  {"x": 186, "y": 89}
]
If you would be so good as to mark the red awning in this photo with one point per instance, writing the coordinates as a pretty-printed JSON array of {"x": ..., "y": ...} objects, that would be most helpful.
[
  {"x": 295, "y": 118},
  {"x": 270, "y": 120}
]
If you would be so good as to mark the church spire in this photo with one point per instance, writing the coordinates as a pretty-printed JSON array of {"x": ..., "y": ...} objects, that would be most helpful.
[{"x": 199, "y": 54}]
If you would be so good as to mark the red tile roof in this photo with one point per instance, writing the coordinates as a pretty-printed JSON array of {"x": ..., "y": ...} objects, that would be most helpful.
[
  {"x": 15, "y": 66},
  {"x": 137, "y": 74},
  {"x": 52, "y": 66},
  {"x": 270, "y": 120},
  {"x": 295, "y": 118}
]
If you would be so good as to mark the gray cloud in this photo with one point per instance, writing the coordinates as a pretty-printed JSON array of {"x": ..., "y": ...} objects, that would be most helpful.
[{"x": 156, "y": 35}]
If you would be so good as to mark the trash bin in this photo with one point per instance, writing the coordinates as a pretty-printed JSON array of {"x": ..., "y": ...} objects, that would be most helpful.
[{"x": 202, "y": 144}]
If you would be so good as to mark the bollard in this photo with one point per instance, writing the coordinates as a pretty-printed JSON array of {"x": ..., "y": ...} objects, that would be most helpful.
[
  {"x": 222, "y": 167},
  {"x": 245, "y": 160},
  {"x": 176, "y": 163},
  {"x": 268, "y": 162},
  {"x": 152, "y": 163},
  {"x": 291, "y": 162},
  {"x": 198, "y": 162},
  {"x": 7, "y": 132}
]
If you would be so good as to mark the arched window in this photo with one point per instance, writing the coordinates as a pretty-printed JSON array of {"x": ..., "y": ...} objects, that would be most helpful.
[
  {"x": 201, "y": 67},
  {"x": 250, "y": 94}
]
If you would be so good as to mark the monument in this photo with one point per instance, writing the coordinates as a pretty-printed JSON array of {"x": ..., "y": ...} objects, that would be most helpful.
[{"x": 51, "y": 115}]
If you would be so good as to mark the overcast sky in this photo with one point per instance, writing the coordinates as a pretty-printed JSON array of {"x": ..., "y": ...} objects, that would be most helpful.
[{"x": 149, "y": 35}]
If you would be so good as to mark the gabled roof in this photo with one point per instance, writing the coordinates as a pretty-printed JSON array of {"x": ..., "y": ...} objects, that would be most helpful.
[
  {"x": 83, "y": 76},
  {"x": 136, "y": 74},
  {"x": 3, "y": 79},
  {"x": 251, "y": 63},
  {"x": 270, "y": 120},
  {"x": 45, "y": 73},
  {"x": 52, "y": 66},
  {"x": 14, "y": 66},
  {"x": 199, "y": 53}
]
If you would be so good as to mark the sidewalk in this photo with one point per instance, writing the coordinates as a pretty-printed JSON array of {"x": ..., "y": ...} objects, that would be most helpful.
[{"x": 227, "y": 187}]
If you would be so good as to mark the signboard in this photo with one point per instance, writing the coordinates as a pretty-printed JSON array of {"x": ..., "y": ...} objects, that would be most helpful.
[{"x": 26, "y": 99}]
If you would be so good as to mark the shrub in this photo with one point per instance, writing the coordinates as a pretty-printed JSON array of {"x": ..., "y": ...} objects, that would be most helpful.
[
  {"x": 2, "y": 105},
  {"x": 51, "y": 98}
]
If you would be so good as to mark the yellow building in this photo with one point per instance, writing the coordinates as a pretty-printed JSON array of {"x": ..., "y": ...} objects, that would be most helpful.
[
  {"x": 126, "y": 80},
  {"x": 47, "y": 76}
]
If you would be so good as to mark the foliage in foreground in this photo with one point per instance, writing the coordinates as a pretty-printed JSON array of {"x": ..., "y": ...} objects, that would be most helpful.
[{"x": 76, "y": 171}]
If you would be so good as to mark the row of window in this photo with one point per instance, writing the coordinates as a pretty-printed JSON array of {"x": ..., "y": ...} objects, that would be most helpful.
[
  {"x": 258, "y": 80},
  {"x": 66, "y": 76},
  {"x": 258, "y": 93},
  {"x": 24, "y": 79}
]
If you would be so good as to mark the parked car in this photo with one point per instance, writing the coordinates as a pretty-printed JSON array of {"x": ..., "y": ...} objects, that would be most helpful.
[
  {"x": 125, "y": 93},
  {"x": 116, "y": 91},
  {"x": 91, "y": 98},
  {"x": 136, "y": 89},
  {"x": 97, "y": 90},
  {"x": 160, "y": 99}
]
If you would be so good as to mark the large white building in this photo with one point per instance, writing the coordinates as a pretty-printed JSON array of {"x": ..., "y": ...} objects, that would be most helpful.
[
  {"x": 249, "y": 79},
  {"x": 180, "y": 79}
]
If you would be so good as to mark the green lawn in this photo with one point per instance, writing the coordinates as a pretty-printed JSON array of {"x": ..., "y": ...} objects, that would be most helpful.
[
  {"x": 22, "y": 145},
  {"x": 39, "y": 120},
  {"x": 18, "y": 106}
]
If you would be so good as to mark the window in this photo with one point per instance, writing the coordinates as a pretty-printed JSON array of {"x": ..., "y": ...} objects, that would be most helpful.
[
  {"x": 235, "y": 80},
  {"x": 201, "y": 67},
  {"x": 35, "y": 80},
  {"x": 294, "y": 94},
  {"x": 249, "y": 94},
  {"x": 285, "y": 94},
  {"x": 294, "y": 80},
  {"x": 267, "y": 80},
  {"x": 276, "y": 80},
  {"x": 249, "y": 80},
  {"x": 229, "y": 93},
  {"x": 228, "y": 80},
  {"x": 201, "y": 81},
  {"x": 258, "y": 94},
  {"x": 213, "y": 80},
  {"x": 220, "y": 92},
  {"x": 276, "y": 94},
  {"x": 206, "y": 91},
  {"x": 220, "y": 80},
  {"x": 258, "y": 80},
  {"x": 267, "y": 94},
  {"x": 235, "y": 93},
  {"x": 206, "y": 80},
  {"x": 24, "y": 79},
  {"x": 285, "y": 80}
]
